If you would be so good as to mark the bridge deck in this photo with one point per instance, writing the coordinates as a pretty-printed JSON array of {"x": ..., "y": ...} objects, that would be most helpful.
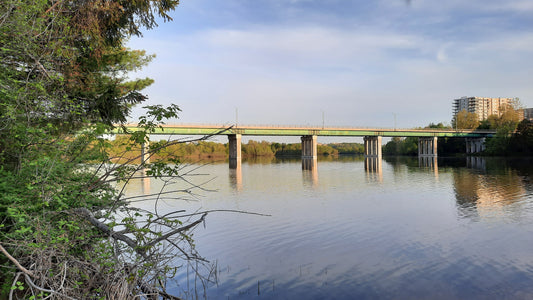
[{"x": 301, "y": 131}]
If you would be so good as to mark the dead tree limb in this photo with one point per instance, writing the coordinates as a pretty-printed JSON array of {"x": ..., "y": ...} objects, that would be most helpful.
[
  {"x": 176, "y": 231},
  {"x": 86, "y": 214},
  {"x": 16, "y": 262}
]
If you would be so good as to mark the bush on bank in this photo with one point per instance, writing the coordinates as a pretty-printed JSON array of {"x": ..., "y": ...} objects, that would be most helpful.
[{"x": 66, "y": 229}]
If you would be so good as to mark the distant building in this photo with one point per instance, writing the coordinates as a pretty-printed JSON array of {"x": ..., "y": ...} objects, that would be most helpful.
[
  {"x": 481, "y": 106},
  {"x": 528, "y": 114}
]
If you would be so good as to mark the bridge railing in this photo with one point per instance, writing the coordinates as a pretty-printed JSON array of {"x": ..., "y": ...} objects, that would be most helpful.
[{"x": 316, "y": 127}]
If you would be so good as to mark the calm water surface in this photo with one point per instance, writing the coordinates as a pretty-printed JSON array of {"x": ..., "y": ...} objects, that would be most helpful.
[{"x": 458, "y": 229}]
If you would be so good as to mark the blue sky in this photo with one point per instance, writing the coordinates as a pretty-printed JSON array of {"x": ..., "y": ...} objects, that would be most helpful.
[{"x": 358, "y": 63}]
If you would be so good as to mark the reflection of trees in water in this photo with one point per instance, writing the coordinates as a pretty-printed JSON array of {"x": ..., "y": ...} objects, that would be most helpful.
[
  {"x": 483, "y": 186},
  {"x": 296, "y": 159},
  {"x": 399, "y": 163},
  {"x": 416, "y": 164},
  {"x": 489, "y": 187}
]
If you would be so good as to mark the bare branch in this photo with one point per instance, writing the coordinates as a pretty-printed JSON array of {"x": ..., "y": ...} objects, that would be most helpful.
[
  {"x": 52, "y": 7},
  {"x": 223, "y": 210},
  {"x": 33, "y": 285},
  {"x": 84, "y": 212},
  {"x": 176, "y": 231},
  {"x": 15, "y": 261}
]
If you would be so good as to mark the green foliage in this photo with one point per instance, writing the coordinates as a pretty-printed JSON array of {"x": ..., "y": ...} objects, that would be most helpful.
[
  {"x": 205, "y": 149},
  {"x": 63, "y": 83},
  {"x": 465, "y": 120},
  {"x": 326, "y": 150},
  {"x": 401, "y": 146},
  {"x": 451, "y": 146},
  {"x": 505, "y": 124},
  {"x": 349, "y": 148},
  {"x": 509, "y": 119},
  {"x": 523, "y": 139},
  {"x": 409, "y": 146},
  {"x": 122, "y": 149},
  {"x": 63, "y": 65},
  {"x": 58, "y": 212},
  {"x": 288, "y": 149},
  {"x": 510, "y": 141},
  {"x": 253, "y": 149},
  {"x": 438, "y": 126}
]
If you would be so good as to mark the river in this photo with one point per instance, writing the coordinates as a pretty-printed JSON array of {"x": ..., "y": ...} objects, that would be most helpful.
[{"x": 459, "y": 228}]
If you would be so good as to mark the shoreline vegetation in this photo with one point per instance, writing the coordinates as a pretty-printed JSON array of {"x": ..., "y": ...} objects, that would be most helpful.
[
  {"x": 67, "y": 229},
  {"x": 251, "y": 149},
  {"x": 512, "y": 138}
]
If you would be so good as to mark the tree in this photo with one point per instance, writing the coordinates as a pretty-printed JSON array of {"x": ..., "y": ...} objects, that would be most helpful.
[
  {"x": 63, "y": 64},
  {"x": 523, "y": 139},
  {"x": 65, "y": 230},
  {"x": 465, "y": 120},
  {"x": 509, "y": 117},
  {"x": 437, "y": 126},
  {"x": 401, "y": 146}
]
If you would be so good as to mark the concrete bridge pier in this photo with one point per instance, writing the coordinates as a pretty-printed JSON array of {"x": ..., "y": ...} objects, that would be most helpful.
[
  {"x": 309, "y": 146},
  {"x": 234, "y": 150},
  {"x": 475, "y": 145},
  {"x": 373, "y": 146},
  {"x": 427, "y": 146},
  {"x": 145, "y": 152}
]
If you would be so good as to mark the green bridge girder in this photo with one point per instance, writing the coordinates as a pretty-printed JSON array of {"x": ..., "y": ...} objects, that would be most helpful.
[{"x": 301, "y": 131}]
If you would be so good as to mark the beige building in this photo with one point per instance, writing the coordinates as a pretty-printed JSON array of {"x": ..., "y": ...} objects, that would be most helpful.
[{"x": 482, "y": 107}]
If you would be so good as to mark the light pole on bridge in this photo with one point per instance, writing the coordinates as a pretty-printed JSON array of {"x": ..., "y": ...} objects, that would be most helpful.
[{"x": 236, "y": 117}]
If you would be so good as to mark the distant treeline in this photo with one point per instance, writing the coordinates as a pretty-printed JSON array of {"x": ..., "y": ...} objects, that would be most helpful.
[
  {"x": 206, "y": 149},
  {"x": 409, "y": 145},
  {"x": 511, "y": 139}
]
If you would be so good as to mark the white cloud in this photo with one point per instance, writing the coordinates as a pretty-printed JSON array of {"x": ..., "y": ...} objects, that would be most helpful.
[
  {"x": 520, "y": 6},
  {"x": 358, "y": 75},
  {"x": 307, "y": 41}
]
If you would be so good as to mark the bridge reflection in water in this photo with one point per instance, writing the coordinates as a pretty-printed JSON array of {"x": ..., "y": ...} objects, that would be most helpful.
[
  {"x": 145, "y": 181},
  {"x": 480, "y": 187},
  {"x": 429, "y": 163},
  {"x": 374, "y": 169},
  {"x": 310, "y": 171},
  {"x": 374, "y": 173},
  {"x": 235, "y": 174}
]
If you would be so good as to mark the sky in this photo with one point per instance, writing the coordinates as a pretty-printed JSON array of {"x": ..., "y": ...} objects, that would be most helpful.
[{"x": 378, "y": 63}]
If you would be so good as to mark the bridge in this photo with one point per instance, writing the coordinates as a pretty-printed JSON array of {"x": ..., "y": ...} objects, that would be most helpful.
[{"x": 427, "y": 138}]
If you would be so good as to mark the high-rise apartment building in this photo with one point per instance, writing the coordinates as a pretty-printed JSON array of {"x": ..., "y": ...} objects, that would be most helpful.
[
  {"x": 482, "y": 107},
  {"x": 528, "y": 114}
]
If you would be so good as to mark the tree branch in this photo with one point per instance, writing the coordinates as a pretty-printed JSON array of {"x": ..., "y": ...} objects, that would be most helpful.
[
  {"x": 85, "y": 213},
  {"x": 176, "y": 231},
  {"x": 15, "y": 262},
  {"x": 30, "y": 282}
]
